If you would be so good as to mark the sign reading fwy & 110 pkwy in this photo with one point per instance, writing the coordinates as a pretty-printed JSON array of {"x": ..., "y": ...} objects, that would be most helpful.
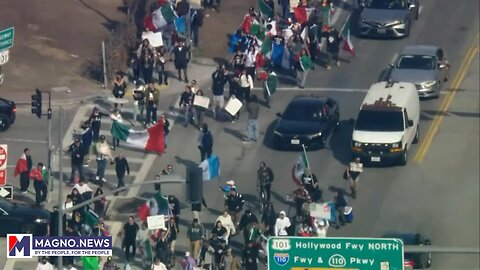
[{"x": 335, "y": 253}]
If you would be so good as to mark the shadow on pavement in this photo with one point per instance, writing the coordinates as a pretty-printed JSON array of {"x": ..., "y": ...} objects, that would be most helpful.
[
  {"x": 340, "y": 141},
  {"x": 235, "y": 133},
  {"x": 187, "y": 163}
]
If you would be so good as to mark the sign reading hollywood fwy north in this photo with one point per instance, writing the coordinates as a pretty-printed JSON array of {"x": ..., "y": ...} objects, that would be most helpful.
[{"x": 335, "y": 253}]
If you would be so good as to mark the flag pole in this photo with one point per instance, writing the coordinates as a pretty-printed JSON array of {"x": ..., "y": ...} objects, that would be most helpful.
[{"x": 306, "y": 157}]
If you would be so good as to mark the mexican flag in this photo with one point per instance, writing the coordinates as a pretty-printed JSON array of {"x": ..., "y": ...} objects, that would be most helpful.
[
  {"x": 300, "y": 166},
  {"x": 210, "y": 168},
  {"x": 90, "y": 263},
  {"x": 302, "y": 14},
  {"x": 21, "y": 165},
  {"x": 256, "y": 30},
  {"x": 265, "y": 9},
  {"x": 156, "y": 205},
  {"x": 266, "y": 48},
  {"x": 347, "y": 41},
  {"x": 271, "y": 83},
  {"x": 306, "y": 63},
  {"x": 327, "y": 13},
  {"x": 150, "y": 139},
  {"x": 160, "y": 17}
]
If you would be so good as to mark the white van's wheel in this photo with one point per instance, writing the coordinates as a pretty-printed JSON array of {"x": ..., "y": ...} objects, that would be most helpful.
[
  {"x": 404, "y": 158},
  {"x": 417, "y": 135}
]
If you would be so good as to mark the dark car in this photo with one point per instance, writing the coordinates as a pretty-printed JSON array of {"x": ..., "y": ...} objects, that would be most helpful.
[
  {"x": 307, "y": 121},
  {"x": 387, "y": 18},
  {"x": 8, "y": 110},
  {"x": 414, "y": 260},
  {"x": 21, "y": 218}
]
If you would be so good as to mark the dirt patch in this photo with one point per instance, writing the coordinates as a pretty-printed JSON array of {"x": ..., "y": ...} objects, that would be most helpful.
[{"x": 218, "y": 25}]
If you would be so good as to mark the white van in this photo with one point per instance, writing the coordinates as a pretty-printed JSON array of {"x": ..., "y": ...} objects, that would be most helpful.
[{"x": 387, "y": 124}]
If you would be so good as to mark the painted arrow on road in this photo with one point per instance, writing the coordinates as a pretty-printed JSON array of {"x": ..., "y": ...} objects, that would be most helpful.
[{"x": 6, "y": 192}]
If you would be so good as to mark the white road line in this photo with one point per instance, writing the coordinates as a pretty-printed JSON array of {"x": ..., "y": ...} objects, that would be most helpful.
[
  {"x": 22, "y": 140},
  {"x": 79, "y": 115},
  {"x": 394, "y": 58},
  {"x": 420, "y": 10},
  {"x": 141, "y": 174},
  {"x": 319, "y": 89}
]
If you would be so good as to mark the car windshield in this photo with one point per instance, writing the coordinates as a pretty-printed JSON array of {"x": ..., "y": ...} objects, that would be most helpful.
[
  {"x": 387, "y": 4},
  {"x": 372, "y": 120},
  {"x": 424, "y": 62},
  {"x": 303, "y": 112}
]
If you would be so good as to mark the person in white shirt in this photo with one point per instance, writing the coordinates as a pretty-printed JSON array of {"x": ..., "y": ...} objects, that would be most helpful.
[
  {"x": 44, "y": 264},
  {"x": 158, "y": 265},
  {"x": 322, "y": 228},
  {"x": 82, "y": 187},
  {"x": 68, "y": 204},
  {"x": 246, "y": 84},
  {"x": 250, "y": 59},
  {"x": 227, "y": 222},
  {"x": 282, "y": 224}
]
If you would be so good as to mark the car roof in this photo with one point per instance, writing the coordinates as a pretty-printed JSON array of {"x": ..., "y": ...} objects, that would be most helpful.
[
  {"x": 420, "y": 50},
  {"x": 383, "y": 95},
  {"x": 311, "y": 100},
  {"x": 407, "y": 238}
]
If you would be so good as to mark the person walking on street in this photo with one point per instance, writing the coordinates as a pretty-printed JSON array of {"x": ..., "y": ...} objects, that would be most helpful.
[
  {"x": 199, "y": 111},
  {"x": 252, "y": 122},
  {"x": 22, "y": 168},
  {"x": 333, "y": 46},
  {"x": 121, "y": 168},
  {"x": 195, "y": 234},
  {"x": 103, "y": 154},
  {"x": 219, "y": 79},
  {"x": 39, "y": 178},
  {"x": 234, "y": 204},
  {"x": 116, "y": 116},
  {"x": 340, "y": 203},
  {"x": 186, "y": 103},
  {"x": 246, "y": 83},
  {"x": 282, "y": 224},
  {"x": 269, "y": 85},
  {"x": 161, "y": 62},
  {"x": 129, "y": 233},
  {"x": 352, "y": 175},
  {"x": 95, "y": 121},
  {"x": 146, "y": 66},
  {"x": 247, "y": 222},
  {"x": 197, "y": 23},
  {"x": 152, "y": 97},
  {"x": 188, "y": 262},
  {"x": 250, "y": 256},
  {"x": 205, "y": 142},
  {"x": 119, "y": 86},
  {"x": 166, "y": 129},
  {"x": 265, "y": 179},
  {"x": 138, "y": 102},
  {"x": 77, "y": 155},
  {"x": 305, "y": 64},
  {"x": 182, "y": 57}
]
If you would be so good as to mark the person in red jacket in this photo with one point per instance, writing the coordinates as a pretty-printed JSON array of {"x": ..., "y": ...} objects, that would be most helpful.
[
  {"x": 36, "y": 174},
  {"x": 22, "y": 168}
]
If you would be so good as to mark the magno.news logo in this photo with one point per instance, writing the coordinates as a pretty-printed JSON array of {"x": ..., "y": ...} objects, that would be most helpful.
[{"x": 19, "y": 246}]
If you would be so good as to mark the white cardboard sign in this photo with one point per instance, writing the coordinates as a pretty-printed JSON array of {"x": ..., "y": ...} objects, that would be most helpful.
[
  {"x": 156, "y": 222},
  {"x": 201, "y": 101},
  {"x": 233, "y": 106}
]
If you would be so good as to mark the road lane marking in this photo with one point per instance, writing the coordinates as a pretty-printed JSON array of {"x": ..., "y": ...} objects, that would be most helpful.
[
  {"x": 317, "y": 89},
  {"x": 394, "y": 58},
  {"x": 447, "y": 101},
  {"x": 23, "y": 140},
  {"x": 420, "y": 10}
]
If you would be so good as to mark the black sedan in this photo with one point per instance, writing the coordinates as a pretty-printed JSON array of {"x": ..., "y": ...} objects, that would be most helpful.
[
  {"x": 307, "y": 121},
  {"x": 414, "y": 260},
  {"x": 8, "y": 110},
  {"x": 21, "y": 218}
]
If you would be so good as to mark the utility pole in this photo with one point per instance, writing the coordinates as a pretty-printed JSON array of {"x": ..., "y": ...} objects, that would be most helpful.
[{"x": 60, "y": 183}]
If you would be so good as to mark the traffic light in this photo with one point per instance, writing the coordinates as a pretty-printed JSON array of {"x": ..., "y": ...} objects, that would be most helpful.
[
  {"x": 194, "y": 184},
  {"x": 37, "y": 103}
]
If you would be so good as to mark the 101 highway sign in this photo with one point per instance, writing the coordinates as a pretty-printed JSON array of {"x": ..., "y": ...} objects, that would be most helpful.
[{"x": 337, "y": 253}]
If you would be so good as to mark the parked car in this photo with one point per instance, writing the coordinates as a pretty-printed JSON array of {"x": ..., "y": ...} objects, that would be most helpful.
[
  {"x": 22, "y": 218},
  {"x": 387, "y": 18},
  {"x": 8, "y": 111},
  {"x": 306, "y": 121},
  {"x": 425, "y": 66},
  {"x": 419, "y": 260}
]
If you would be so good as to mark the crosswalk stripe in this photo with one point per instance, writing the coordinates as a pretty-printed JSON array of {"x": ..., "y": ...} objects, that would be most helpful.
[
  {"x": 67, "y": 169},
  {"x": 131, "y": 160}
]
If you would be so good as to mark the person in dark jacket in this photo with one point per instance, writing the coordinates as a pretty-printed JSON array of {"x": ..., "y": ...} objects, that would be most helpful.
[
  {"x": 197, "y": 23},
  {"x": 250, "y": 256},
  {"x": 247, "y": 220},
  {"x": 310, "y": 182},
  {"x": 146, "y": 66},
  {"x": 333, "y": 38},
  {"x": 160, "y": 63},
  {"x": 182, "y": 57},
  {"x": 234, "y": 90},
  {"x": 285, "y": 7},
  {"x": 166, "y": 129},
  {"x": 205, "y": 142},
  {"x": 174, "y": 206},
  {"x": 269, "y": 217},
  {"x": 182, "y": 8},
  {"x": 121, "y": 167},
  {"x": 186, "y": 104},
  {"x": 95, "y": 121},
  {"x": 219, "y": 79},
  {"x": 340, "y": 203},
  {"x": 265, "y": 179},
  {"x": 77, "y": 154}
]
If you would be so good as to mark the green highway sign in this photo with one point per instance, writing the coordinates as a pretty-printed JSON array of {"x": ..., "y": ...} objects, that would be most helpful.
[
  {"x": 311, "y": 253},
  {"x": 6, "y": 38}
]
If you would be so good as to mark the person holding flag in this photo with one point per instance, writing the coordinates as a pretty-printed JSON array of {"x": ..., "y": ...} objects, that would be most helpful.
[
  {"x": 333, "y": 46},
  {"x": 304, "y": 65},
  {"x": 270, "y": 79}
]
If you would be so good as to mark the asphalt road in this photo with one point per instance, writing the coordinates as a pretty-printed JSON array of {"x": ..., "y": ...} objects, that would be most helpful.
[{"x": 437, "y": 197}]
